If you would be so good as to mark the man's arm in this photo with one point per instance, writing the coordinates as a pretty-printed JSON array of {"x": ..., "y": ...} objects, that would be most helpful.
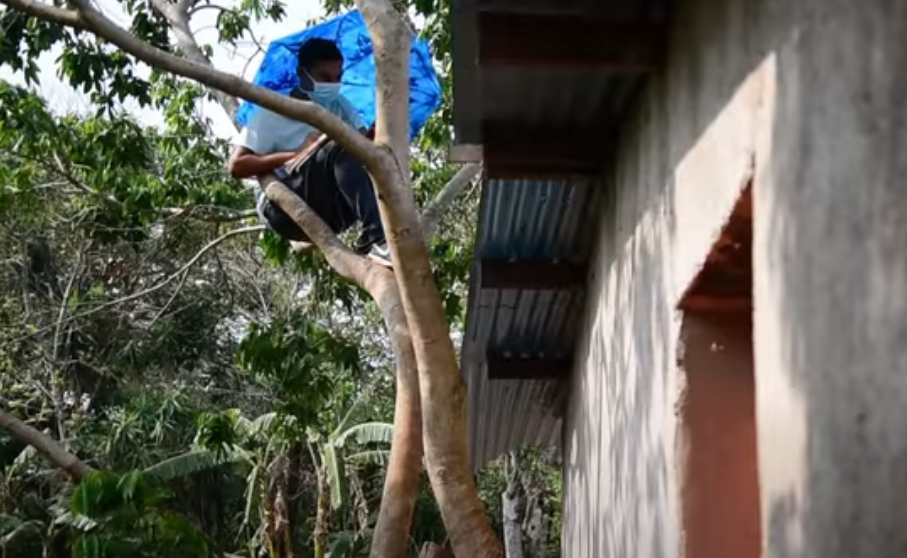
[{"x": 245, "y": 163}]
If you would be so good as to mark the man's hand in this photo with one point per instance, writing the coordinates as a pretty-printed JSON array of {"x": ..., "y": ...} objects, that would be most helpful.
[{"x": 311, "y": 144}]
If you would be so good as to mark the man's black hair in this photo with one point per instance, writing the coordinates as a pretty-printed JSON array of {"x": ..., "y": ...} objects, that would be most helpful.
[{"x": 318, "y": 50}]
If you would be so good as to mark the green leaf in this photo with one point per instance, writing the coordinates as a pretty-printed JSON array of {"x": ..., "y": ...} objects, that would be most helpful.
[
  {"x": 341, "y": 544},
  {"x": 193, "y": 462},
  {"x": 332, "y": 461},
  {"x": 371, "y": 457},
  {"x": 368, "y": 433},
  {"x": 77, "y": 522},
  {"x": 89, "y": 546}
]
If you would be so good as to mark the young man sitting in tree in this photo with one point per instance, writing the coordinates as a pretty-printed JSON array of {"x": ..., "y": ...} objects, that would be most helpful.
[{"x": 330, "y": 181}]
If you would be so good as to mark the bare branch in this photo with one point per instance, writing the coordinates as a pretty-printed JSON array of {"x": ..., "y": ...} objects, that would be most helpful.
[
  {"x": 210, "y": 213},
  {"x": 170, "y": 300},
  {"x": 391, "y": 39},
  {"x": 169, "y": 279},
  {"x": 431, "y": 215},
  {"x": 197, "y": 9},
  {"x": 46, "y": 446},
  {"x": 54, "y": 377},
  {"x": 259, "y": 50}
]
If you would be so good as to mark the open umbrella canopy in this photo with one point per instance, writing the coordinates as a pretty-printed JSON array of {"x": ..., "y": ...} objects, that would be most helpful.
[{"x": 278, "y": 70}]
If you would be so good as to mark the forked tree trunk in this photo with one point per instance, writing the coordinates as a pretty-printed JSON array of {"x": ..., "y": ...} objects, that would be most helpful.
[
  {"x": 443, "y": 391},
  {"x": 430, "y": 352}
]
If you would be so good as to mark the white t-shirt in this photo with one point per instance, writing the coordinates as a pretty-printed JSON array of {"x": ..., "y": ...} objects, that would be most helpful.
[{"x": 268, "y": 132}]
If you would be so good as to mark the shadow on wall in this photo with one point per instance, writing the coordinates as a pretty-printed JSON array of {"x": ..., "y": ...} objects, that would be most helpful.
[
  {"x": 830, "y": 342},
  {"x": 831, "y": 314},
  {"x": 621, "y": 495}
]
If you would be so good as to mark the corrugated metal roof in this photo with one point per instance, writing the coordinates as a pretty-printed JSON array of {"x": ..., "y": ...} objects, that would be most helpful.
[
  {"x": 564, "y": 104},
  {"x": 548, "y": 220}
]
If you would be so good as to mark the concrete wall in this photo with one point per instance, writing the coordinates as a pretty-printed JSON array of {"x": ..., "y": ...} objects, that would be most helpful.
[{"x": 810, "y": 98}]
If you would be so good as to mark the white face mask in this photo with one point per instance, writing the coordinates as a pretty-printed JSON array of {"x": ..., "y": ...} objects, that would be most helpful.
[{"x": 323, "y": 92}]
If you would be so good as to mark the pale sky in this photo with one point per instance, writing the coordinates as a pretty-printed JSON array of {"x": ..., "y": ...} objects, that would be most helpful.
[{"x": 63, "y": 98}]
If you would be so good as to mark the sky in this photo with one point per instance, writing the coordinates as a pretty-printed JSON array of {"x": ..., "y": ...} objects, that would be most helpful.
[{"x": 63, "y": 98}]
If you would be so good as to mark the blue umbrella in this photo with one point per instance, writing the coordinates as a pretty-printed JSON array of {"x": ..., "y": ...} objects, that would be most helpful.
[{"x": 278, "y": 70}]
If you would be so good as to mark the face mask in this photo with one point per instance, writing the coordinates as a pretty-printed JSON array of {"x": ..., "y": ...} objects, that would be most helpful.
[{"x": 323, "y": 92}]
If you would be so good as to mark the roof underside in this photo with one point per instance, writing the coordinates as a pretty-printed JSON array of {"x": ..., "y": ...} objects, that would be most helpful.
[{"x": 539, "y": 87}]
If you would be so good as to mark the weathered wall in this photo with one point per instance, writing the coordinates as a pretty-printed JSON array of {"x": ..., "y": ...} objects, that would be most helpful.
[
  {"x": 812, "y": 94},
  {"x": 830, "y": 250},
  {"x": 684, "y": 158}
]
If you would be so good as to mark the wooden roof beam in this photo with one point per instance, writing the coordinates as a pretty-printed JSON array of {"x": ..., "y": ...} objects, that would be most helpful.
[
  {"x": 531, "y": 275},
  {"x": 510, "y": 149},
  {"x": 631, "y": 43},
  {"x": 504, "y": 366}
]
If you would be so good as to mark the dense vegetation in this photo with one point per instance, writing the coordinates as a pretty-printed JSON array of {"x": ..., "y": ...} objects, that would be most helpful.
[{"x": 232, "y": 396}]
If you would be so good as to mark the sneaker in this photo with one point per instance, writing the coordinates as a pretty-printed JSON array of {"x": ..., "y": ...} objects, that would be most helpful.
[
  {"x": 301, "y": 246},
  {"x": 381, "y": 255}
]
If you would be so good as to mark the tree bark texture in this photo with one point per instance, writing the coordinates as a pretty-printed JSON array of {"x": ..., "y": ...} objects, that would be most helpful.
[
  {"x": 322, "y": 514},
  {"x": 443, "y": 391},
  {"x": 510, "y": 509}
]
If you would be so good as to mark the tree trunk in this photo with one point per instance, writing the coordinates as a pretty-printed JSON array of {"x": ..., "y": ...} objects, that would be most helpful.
[
  {"x": 537, "y": 529},
  {"x": 293, "y": 475},
  {"x": 443, "y": 391},
  {"x": 282, "y": 508},
  {"x": 322, "y": 515},
  {"x": 510, "y": 508},
  {"x": 360, "y": 502}
]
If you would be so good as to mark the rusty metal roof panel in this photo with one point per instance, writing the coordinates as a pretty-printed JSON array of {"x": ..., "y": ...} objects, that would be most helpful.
[
  {"x": 567, "y": 6},
  {"x": 567, "y": 97},
  {"x": 548, "y": 220}
]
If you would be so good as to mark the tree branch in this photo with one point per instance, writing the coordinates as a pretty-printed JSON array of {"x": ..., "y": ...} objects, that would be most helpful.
[
  {"x": 375, "y": 160},
  {"x": 442, "y": 388},
  {"x": 345, "y": 262},
  {"x": 179, "y": 23},
  {"x": 47, "y": 12},
  {"x": 56, "y": 388},
  {"x": 431, "y": 215},
  {"x": 209, "y": 213},
  {"x": 185, "y": 5},
  {"x": 197, "y": 9},
  {"x": 46, "y": 446}
]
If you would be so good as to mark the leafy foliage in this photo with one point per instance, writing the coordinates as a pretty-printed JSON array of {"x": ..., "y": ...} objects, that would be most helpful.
[
  {"x": 129, "y": 518},
  {"x": 300, "y": 359}
]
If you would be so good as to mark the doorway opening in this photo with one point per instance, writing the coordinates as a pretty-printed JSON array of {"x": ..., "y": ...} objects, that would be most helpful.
[{"x": 719, "y": 471}]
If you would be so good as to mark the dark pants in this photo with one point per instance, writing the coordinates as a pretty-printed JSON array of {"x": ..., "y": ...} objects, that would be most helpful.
[{"x": 337, "y": 188}]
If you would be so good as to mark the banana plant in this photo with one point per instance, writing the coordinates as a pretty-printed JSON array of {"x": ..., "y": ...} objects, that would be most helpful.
[{"x": 329, "y": 453}]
